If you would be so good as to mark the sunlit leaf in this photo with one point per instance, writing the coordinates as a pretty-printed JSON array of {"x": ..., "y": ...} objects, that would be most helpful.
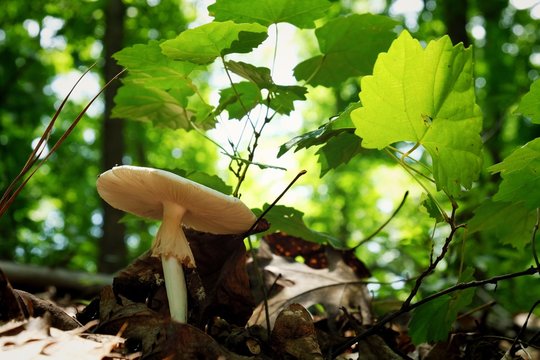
[
  {"x": 301, "y": 13},
  {"x": 240, "y": 99},
  {"x": 521, "y": 176},
  {"x": 530, "y": 103},
  {"x": 425, "y": 96},
  {"x": 153, "y": 105},
  {"x": 290, "y": 221},
  {"x": 349, "y": 47},
  {"x": 148, "y": 66},
  {"x": 508, "y": 222},
  {"x": 203, "y": 44},
  {"x": 432, "y": 321}
]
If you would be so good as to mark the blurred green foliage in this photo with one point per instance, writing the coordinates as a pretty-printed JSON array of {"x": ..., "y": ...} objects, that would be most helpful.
[{"x": 56, "y": 219}]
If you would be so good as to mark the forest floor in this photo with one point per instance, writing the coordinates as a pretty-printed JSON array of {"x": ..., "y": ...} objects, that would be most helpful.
[{"x": 130, "y": 318}]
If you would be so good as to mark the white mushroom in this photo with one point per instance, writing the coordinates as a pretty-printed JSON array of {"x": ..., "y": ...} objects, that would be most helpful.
[{"x": 161, "y": 195}]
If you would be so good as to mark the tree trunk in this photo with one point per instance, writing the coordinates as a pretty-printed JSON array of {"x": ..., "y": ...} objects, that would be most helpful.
[{"x": 112, "y": 249}]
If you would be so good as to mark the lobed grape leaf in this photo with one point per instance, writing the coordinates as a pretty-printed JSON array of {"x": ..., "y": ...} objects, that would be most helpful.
[
  {"x": 240, "y": 99},
  {"x": 148, "y": 66},
  {"x": 433, "y": 320},
  {"x": 349, "y": 47},
  {"x": 290, "y": 221},
  {"x": 530, "y": 103},
  {"x": 425, "y": 96},
  {"x": 203, "y": 44},
  {"x": 300, "y": 13},
  {"x": 282, "y": 97},
  {"x": 509, "y": 222},
  {"x": 520, "y": 173}
]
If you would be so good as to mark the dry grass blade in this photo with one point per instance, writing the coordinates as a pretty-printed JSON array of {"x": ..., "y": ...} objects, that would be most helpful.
[{"x": 30, "y": 167}]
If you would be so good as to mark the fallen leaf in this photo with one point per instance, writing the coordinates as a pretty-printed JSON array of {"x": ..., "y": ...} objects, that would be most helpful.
[{"x": 334, "y": 287}]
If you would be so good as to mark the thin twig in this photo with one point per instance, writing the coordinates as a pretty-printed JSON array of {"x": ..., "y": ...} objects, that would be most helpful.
[
  {"x": 462, "y": 286},
  {"x": 255, "y": 259},
  {"x": 383, "y": 225}
]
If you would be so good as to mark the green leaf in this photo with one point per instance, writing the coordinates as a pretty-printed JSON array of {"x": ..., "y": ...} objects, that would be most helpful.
[
  {"x": 425, "y": 96},
  {"x": 282, "y": 97},
  {"x": 428, "y": 202},
  {"x": 240, "y": 100},
  {"x": 338, "y": 150},
  {"x": 340, "y": 144},
  {"x": 173, "y": 109},
  {"x": 508, "y": 222},
  {"x": 349, "y": 47},
  {"x": 151, "y": 105},
  {"x": 290, "y": 221},
  {"x": 530, "y": 103},
  {"x": 148, "y": 66},
  {"x": 432, "y": 321},
  {"x": 203, "y": 44},
  {"x": 257, "y": 75},
  {"x": 211, "y": 181},
  {"x": 520, "y": 173},
  {"x": 301, "y": 13}
]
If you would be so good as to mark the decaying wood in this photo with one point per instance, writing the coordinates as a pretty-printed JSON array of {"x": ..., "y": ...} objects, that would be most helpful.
[{"x": 26, "y": 276}]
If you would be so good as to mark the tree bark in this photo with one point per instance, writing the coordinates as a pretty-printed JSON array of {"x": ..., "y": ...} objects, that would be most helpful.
[
  {"x": 455, "y": 19},
  {"x": 112, "y": 249}
]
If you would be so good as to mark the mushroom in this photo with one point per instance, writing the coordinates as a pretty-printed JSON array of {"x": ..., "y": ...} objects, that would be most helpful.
[{"x": 161, "y": 195}]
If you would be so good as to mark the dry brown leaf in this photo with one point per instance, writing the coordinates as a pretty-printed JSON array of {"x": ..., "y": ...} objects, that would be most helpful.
[
  {"x": 334, "y": 287},
  {"x": 35, "y": 339}
]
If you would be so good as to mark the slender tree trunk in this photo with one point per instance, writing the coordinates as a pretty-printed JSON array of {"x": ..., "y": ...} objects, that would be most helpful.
[
  {"x": 455, "y": 19},
  {"x": 112, "y": 248}
]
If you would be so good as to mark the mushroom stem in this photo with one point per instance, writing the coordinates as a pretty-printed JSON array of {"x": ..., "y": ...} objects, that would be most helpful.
[
  {"x": 175, "y": 285},
  {"x": 172, "y": 246}
]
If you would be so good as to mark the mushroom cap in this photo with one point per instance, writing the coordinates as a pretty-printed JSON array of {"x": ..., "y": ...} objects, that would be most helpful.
[{"x": 143, "y": 191}]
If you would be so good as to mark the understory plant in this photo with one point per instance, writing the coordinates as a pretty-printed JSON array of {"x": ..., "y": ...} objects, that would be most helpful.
[{"x": 416, "y": 107}]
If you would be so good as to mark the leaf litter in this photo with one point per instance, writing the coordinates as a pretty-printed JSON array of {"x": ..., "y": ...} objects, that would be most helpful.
[{"x": 314, "y": 307}]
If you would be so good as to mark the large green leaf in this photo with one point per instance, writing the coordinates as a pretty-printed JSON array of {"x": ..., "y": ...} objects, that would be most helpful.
[
  {"x": 508, "y": 222},
  {"x": 521, "y": 176},
  {"x": 203, "y": 44},
  {"x": 289, "y": 220},
  {"x": 530, "y": 103},
  {"x": 425, "y": 96},
  {"x": 148, "y": 66},
  {"x": 301, "y": 13},
  {"x": 349, "y": 47}
]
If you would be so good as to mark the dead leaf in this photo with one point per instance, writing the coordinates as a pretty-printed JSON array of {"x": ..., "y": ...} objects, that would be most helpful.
[
  {"x": 334, "y": 287},
  {"x": 35, "y": 339}
]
